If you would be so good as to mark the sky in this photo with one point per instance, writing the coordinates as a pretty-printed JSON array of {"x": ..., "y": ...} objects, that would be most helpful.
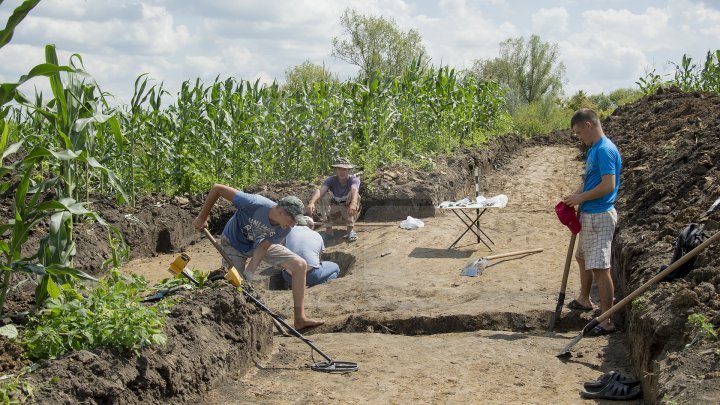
[{"x": 604, "y": 44}]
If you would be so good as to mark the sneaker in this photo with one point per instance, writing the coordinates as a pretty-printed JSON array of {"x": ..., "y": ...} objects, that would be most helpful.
[{"x": 352, "y": 236}]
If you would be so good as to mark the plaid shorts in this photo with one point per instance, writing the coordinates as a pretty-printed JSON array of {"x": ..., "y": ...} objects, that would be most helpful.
[{"x": 596, "y": 238}]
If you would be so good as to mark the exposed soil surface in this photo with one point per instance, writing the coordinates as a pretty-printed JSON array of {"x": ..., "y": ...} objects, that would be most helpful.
[{"x": 418, "y": 329}]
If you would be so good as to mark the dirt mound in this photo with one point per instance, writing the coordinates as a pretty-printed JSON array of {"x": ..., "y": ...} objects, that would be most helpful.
[
  {"x": 671, "y": 176},
  {"x": 394, "y": 192},
  {"x": 212, "y": 335}
]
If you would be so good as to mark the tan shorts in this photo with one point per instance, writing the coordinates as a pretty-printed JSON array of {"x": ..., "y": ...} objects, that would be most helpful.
[
  {"x": 275, "y": 256},
  {"x": 333, "y": 213},
  {"x": 596, "y": 237}
]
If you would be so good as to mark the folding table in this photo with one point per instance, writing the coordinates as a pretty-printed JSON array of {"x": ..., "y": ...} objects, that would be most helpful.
[{"x": 471, "y": 224}]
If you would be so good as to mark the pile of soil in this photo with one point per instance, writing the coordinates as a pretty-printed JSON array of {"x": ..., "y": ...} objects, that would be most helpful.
[
  {"x": 212, "y": 335},
  {"x": 671, "y": 176}
]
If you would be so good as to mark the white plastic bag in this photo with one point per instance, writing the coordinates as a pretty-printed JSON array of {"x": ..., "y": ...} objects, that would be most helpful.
[
  {"x": 411, "y": 223},
  {"x": 499, "y": 201}
]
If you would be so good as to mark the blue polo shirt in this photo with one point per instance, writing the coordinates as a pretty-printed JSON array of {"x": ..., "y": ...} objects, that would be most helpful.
[{"x": 602, "y": 158}]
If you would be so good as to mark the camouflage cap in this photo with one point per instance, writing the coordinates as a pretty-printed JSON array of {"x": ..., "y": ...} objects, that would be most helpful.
[{"x": 294, "y": 207}]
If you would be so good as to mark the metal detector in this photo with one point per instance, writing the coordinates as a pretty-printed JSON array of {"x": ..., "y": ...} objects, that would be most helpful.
[{"x": 233, "y": 277}]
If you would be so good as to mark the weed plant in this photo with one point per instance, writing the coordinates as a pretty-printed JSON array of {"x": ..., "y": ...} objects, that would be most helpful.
[
  {"x": 701, "y": 328},
  {"x": 109, "y": 316}
]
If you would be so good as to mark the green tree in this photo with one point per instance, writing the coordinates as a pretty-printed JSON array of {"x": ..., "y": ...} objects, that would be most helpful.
[
  {"x": 376, "y": 44},
  {"x": 582, "y": 100},
  {"x": 528, "y": 70},
  {"x": 307, "y": 73}
]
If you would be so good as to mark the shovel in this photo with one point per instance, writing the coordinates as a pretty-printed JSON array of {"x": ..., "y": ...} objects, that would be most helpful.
[
  {"x": 563, "y": 284},
  {"x": 475, "y": 268},
  {"x": 607, "y": 314}
]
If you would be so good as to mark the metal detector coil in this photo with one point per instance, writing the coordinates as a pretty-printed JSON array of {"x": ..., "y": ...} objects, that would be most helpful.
[{"x": 334, "y": 366}]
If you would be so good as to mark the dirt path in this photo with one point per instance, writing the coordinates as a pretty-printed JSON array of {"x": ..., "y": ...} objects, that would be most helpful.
[{"x": 407, "y": 282}]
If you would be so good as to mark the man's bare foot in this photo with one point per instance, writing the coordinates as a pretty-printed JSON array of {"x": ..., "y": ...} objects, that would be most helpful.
[{"x": 308, "y": 323}]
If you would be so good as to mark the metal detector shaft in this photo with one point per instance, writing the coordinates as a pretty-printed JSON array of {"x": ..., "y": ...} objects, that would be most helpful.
[
  {"x": 607, "y": 314},
  {"x": 563, "y": 284},
  {"x": 292, "y": 330}
]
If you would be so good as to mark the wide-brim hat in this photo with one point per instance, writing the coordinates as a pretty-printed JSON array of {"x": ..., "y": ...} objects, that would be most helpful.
[
  {"x": 343, "y": 163},
  {"x": 568, "y": 217}
]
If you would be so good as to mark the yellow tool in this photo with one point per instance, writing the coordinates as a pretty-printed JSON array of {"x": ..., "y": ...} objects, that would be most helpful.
[
  {"x": 233, "y": 277},
  {"x": 178, "y": 266}
]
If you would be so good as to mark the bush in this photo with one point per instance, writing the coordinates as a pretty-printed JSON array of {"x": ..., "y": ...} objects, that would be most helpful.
[
  {"x": 110, "y": 316},
  {"x": 540, "y": 117}
]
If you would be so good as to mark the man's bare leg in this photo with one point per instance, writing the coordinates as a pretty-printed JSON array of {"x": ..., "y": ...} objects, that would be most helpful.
[
  {"x": 606, "y": 289},
  {"x": 298, "y": 270},
  {"x": 586, "y": 279}
]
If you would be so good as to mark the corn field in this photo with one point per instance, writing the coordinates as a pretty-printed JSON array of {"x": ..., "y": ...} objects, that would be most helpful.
[{"x": 237, "y": 132}]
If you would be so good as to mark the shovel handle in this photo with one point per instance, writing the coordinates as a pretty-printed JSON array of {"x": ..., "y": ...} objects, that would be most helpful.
[
  {"x": 217, "y": 246},
  {"x": 522, "y": 252},
  {"x": 689, "y": 255},
  {"x": 563, "y": 284},
  {"x": 568, "y": 261}
]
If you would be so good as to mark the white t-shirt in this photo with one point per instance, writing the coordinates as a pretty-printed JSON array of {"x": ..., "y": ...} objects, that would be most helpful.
[{"x": 305, "y": 243}]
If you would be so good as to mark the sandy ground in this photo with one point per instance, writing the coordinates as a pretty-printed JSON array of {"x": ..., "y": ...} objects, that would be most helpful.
[{"x": 405, "y": 275}]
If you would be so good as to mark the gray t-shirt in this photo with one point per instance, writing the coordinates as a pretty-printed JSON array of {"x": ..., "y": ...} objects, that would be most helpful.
[
  {"x": 307, "y": 244},
  {"x": 250, "y": 224},
  {"x": 341, "y": 192}
]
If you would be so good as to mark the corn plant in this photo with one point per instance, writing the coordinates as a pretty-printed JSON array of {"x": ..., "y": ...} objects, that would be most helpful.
[{"x": 45, "y": 180}]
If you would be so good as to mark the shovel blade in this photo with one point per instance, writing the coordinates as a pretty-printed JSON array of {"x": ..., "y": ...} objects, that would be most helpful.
[
  {"x": 475, "y": 268},
  {"x": 470, "y": 271},
  {"x": 565, "y": 352}
]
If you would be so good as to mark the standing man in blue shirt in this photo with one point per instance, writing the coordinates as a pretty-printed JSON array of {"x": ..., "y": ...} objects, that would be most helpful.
[
  {"x": 596, "y": 199},
  {"x": 255, "y": 232}
]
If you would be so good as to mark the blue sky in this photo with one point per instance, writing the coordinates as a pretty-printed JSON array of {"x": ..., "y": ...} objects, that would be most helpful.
[{"x": 605, "y": 44}]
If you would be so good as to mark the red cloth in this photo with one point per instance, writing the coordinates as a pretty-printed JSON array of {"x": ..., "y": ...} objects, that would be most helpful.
[{"x": 568, "y": 217}]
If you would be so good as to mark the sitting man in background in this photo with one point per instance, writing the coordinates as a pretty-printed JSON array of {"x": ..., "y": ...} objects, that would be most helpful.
[
  {"x": 308, "y": 244},
  {"x": 339, "y": 196}
]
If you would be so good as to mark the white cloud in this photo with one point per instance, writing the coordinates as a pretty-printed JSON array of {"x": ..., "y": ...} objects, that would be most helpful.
[
  {"x": 602, "y": 43},
  {"x": 593, "y": 63},
  {"x": 550, "y": 20}
]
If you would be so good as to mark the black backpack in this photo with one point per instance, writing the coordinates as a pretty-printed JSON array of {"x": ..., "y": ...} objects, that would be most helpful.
[{"x": 690, "y": 237}]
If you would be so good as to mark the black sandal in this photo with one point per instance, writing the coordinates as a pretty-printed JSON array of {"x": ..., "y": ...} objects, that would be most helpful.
[
  {"x": 610, "y": 377},
  {"x": 613, "y": 390}
]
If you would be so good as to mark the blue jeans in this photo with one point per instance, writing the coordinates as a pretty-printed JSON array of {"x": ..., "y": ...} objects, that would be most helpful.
[{"x": 326, "y": 272}]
